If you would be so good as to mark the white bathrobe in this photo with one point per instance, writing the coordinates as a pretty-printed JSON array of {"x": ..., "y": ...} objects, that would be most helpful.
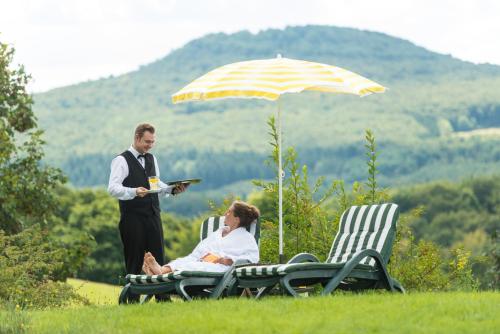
[{"x": 239, "y": 244}]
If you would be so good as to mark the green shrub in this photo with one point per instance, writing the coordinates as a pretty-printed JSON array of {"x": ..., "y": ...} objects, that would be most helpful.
[
  {"x": 460, "y": 271},
  {"x": 425, "y": 266},
  {"x": 30, "y": 262},
  {"x": 26, "y": 184},
  {"x": 417, "y": 265},
  {"x": 420, "y": 267}
]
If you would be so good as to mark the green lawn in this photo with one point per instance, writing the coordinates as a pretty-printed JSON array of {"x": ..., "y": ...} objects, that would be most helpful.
[
  {"x": 96, "y": 293},
  {"x": 347, "y": 313}
]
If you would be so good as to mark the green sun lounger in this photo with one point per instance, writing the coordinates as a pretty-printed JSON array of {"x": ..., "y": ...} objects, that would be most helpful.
[
  {"x": 187, "y": 284},
  {"x": 357, "y": 260}
]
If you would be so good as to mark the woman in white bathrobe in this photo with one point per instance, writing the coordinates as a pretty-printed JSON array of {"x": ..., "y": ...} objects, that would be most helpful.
[{"x": 219, "y": 250}]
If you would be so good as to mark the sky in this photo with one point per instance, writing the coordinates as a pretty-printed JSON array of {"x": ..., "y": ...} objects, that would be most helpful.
[{"x": 62, "y": 42}]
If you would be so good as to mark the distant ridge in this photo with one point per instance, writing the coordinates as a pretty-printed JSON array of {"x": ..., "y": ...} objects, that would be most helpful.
[{"x": 431, "y": 96}]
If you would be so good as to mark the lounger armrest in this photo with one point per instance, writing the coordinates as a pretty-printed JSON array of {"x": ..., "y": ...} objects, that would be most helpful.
[
  {"x": 228, "y": 278},
  {"x": 352, "y": 263},
  {"x": 241, "y": 263},
  {"x": 303, "y": 257},
  {"x": 358, "y": 256}
]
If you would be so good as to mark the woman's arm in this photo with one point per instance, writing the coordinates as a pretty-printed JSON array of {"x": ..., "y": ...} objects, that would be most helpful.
[{"x": 245, "y": 249}]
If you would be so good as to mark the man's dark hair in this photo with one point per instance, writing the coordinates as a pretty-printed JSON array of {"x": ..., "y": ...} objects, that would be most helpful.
[
  {"x": 247, "y": 213},
  {"x": 142, "y": 128}
]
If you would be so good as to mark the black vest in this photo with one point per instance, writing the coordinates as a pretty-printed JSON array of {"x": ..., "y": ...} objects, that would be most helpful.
[{"x": 138, "y": 177}]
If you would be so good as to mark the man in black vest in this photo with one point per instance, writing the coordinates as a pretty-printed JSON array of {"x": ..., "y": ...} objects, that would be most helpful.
[{"x": 140, "y": 223}]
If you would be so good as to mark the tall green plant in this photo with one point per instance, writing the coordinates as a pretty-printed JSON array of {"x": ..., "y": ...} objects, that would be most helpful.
[
  {"x": 309, "y": 224},
  {"x": 26, "y": 185},
  {"x": 372, "y": 165},
  {"x": 31, "y": 261}
]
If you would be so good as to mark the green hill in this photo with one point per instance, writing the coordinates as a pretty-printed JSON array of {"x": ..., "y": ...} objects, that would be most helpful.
[{"x": 440, "y": 117}]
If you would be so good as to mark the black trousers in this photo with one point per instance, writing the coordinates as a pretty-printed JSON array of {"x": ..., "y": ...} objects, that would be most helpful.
[{"x": 141, "y": 233}]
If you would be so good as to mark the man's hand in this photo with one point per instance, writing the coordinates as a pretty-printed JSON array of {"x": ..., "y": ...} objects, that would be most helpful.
[
  {"x": 181, "y": 187},
  {"x": 141, "y": 191}
]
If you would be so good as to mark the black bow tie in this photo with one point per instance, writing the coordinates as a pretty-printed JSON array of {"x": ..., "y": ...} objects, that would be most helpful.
[{"x": 141, "y": 156}]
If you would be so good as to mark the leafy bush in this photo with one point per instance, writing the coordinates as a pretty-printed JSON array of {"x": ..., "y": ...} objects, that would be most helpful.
[
  {"x": 460, "y": 271},
  {"x": 418, "y": 266},
  {"x": 31, "y": 261},
  {"x": 30, "y": 264},
  {"x": 425, "y": 266},
  {"x": 26, "y": 184}
]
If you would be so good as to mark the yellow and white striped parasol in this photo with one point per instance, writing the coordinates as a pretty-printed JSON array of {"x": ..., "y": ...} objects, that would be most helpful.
[{"x": 270, "y": 78}]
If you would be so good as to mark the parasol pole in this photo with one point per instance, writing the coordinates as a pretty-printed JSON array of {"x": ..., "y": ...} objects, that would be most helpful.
[{"x": 280, "y": 187}]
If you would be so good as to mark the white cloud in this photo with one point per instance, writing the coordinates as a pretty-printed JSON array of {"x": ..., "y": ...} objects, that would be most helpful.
[{"x": 62, "y": 42}]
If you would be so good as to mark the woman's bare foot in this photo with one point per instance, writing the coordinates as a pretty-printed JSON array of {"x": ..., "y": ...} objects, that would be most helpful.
[
  {"x": 152, "y": 265},
  {"x": 146, "y": 269}
]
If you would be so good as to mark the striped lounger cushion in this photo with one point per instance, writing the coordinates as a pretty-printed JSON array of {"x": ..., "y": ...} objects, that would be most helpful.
[
  {"x": 365, "y": 227},
  {"x": 148, "y": 279},
  {"x": 258, "y": 271},
  {"x": 180, "y": 274}
]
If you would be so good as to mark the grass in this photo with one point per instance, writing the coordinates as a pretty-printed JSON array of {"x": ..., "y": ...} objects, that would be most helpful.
[
  {"x": 452, "y": 312},
  {"x": 96, "y": 293},
  {"x": 341, "y": 313}
]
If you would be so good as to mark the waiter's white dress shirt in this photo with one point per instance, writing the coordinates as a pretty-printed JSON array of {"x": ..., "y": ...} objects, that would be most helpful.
[{"x": 119, "y": 171}]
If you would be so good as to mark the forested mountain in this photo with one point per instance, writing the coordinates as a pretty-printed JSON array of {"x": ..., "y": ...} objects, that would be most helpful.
[{"x": 440, "y": 117}]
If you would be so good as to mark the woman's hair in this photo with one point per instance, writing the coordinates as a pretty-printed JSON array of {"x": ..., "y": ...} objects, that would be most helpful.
[{"x": 247, "y": 213}]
